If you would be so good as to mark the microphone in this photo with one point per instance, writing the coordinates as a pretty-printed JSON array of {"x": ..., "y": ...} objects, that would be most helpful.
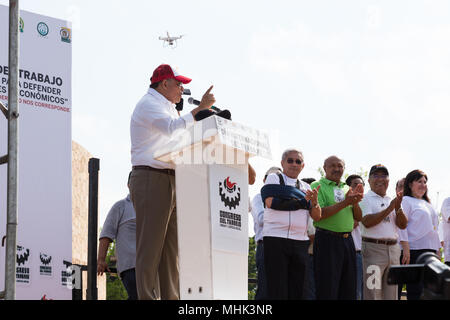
[
  {"x": 197, "y": 103},
  {"x": 209, "y": 112},
  {"x": 193, "y": 101}
]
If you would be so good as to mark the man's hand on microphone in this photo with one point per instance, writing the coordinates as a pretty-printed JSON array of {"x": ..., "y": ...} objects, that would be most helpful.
[{"x": 207, "y": 102}]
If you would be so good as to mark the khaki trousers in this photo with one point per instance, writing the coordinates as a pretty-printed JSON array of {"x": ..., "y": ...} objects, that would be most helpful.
[
  {"x": 153, "y": 197},
  {"x": 377, "y": 258}
]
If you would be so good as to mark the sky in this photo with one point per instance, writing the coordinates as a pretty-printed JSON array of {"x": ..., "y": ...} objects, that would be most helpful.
[{"x": 366, "y": 80}]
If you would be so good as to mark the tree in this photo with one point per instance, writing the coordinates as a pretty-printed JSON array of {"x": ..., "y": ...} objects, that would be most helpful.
[
  {"x": 251, "y": 267},
  {"x": 114, "y": 287}
]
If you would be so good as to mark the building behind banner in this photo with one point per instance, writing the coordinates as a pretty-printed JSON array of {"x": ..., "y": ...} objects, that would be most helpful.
[{"x": 80, "y": 210}]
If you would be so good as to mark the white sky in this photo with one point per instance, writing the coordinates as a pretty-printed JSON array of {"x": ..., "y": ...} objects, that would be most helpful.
[{"x": 366, "y": 80}]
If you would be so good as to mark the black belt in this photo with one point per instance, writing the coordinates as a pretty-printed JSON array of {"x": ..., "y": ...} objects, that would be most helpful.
[
  {"x": 344, "y": 235},
  {"x": 259, "y": 241},
  {"x": 380, "y": 241},
  {"x": 166, "y": 171}
]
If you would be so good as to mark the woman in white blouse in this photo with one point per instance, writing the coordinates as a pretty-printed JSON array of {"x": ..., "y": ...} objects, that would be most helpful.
[{"x": 423, "y": 223}]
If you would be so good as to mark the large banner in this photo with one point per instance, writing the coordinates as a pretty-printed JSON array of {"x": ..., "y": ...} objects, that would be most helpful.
[{"x": 45, "y": 176}]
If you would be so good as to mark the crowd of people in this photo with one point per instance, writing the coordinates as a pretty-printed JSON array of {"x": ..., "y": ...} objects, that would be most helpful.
[
  {"x": 325, "y": 239},
  {"x": 342, "y": 242}
]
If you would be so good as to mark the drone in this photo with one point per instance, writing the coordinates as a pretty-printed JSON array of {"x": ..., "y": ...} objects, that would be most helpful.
[{"x": 170, "y": 41}]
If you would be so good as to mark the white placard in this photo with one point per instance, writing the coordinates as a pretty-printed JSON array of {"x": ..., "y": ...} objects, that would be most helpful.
[
  {"x": 244, "y": 138},
  {"x": 45, "y": 173}
]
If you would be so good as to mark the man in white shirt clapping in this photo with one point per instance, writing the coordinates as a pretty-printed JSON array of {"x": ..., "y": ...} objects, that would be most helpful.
[{"x": 382, "y": 217}]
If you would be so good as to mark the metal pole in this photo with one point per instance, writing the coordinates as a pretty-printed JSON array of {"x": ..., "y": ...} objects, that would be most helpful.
[
  {"x": 94, "y": 167},
  {"x": 13, "y": 142}
]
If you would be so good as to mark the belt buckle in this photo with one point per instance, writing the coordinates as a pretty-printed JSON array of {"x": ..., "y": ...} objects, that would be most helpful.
[{"x": 345, "y": 235}]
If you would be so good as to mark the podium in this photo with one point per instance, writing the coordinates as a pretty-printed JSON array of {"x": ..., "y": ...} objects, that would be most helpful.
[{"x": 211, "y": 163}]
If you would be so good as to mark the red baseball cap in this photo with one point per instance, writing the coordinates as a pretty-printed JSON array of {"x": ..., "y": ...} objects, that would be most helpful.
[{"x": 165, "y": 71}]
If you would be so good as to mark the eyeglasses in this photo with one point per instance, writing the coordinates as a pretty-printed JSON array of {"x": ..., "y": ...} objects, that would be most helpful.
[{"x": 291, "y": 161}]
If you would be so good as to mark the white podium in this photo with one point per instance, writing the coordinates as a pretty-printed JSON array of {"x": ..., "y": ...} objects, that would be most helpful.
[{"x": 211, "y": 163}]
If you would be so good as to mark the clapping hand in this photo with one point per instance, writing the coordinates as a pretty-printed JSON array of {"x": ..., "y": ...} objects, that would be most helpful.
[
  {"x": 354, "y": 196},
  {"x": 312, "y": 195},
  {"x": 398, "y": 200}
]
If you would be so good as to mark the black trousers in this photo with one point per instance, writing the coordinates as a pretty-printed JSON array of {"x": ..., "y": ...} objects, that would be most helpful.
[
  {"x": 285, "y": 261},
  {"x": 128, "y": 278},
  {"x": 334, "y": 267},
  {"x": 261, "y": 289}
]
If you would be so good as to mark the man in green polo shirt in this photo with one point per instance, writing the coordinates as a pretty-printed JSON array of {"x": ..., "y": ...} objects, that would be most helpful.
[{"x": 334, "y": 250}]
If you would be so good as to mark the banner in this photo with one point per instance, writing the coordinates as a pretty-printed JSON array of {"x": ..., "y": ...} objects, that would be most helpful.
[{"x": 44, "y": 238}]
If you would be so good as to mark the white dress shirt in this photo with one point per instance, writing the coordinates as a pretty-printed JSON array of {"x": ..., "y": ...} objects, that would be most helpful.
[
  {"x": 154, "y": 123},
  {"x": 403, "y": 234},
  {"x": 356, "y": 235},
  {"x": 387, "y": 229},
  {"x": 423, "y": 223},
  {"x": 258, "y": 216}
]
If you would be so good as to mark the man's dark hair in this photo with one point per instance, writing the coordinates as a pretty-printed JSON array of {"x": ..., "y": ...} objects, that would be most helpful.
[
  {"x": 308, "y": 180},
  {"x": 155, "y": 85},
  {"x": 352, "y": 177}
]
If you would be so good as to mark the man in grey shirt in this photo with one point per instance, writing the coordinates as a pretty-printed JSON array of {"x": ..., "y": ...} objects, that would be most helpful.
[{"x": 120, "y": 225}]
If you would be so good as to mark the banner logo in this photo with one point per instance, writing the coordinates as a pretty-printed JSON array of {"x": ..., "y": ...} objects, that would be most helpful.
[
  {"x": 65, "y": 35},
  {"x": 45, "y": 269},
  {"x": 21, "y": 25},
  {"x": 42, "y": 29},
  {"x": 22, "y": 268},
  {"x": 66, "y": 274},
  {"x": 22, "y": 255},
  {"x": 229, "y": 193},
  {"x": 45, "y": 259}
]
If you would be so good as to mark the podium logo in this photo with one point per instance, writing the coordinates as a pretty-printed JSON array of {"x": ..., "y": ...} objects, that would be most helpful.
[{"x": 230, "y": 193}]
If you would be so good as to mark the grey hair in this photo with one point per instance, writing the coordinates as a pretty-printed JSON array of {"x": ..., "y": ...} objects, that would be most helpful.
[{"x": 285, "y": 153}]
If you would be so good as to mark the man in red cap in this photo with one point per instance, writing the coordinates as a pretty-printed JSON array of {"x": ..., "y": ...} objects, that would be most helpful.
[{"x": 152, "y": 183}]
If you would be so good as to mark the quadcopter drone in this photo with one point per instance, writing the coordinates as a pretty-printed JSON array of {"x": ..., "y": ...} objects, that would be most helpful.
[{"x": 170, "y": 41}]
